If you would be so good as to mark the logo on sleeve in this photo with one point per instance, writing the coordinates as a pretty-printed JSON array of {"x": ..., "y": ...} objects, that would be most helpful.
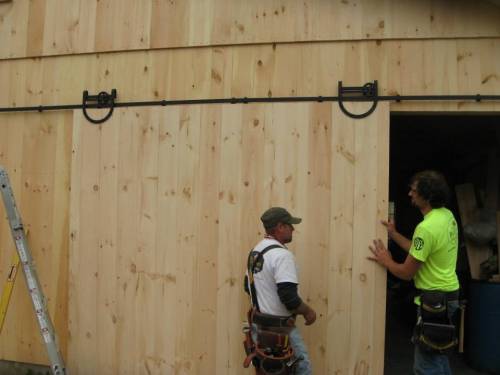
[{"x": 418, "y": 242}]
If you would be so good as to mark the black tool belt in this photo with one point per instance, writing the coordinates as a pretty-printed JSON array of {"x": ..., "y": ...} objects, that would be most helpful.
[
  {"x": 435, "y": 331},
  {"x": 267, "y": 320},
  {"x": 450, "y": 296}
]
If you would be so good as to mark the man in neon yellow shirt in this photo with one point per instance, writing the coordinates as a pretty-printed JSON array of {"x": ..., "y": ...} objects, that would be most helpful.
[{"x": 432, "y": 256}]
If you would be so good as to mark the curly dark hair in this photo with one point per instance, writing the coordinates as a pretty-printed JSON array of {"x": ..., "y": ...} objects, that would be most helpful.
[{"x": 432, "y": 186}]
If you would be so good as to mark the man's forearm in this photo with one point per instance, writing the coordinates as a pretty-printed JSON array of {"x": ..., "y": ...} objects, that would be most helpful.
[
  {"x": 307, "y": 312},
  {"x": 401, "y": 240},
  {"x": 289, "y": 296},
  {"x": 303, "y": 309},
  {"x": 398, "y": 270}
]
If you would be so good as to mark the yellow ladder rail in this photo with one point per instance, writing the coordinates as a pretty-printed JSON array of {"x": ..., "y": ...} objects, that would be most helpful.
[{"x": 7, "y": 290}]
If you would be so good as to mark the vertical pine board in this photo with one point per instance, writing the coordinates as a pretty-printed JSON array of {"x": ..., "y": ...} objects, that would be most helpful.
[
  {"x": 382, "y": 123},
  {"x": 436, "y": 69},
  {"x": 68, "y": 29},
  {"x": 34, "y": 84},
  {"x": 202, "y": 77},
  {"x": 61, "y": 25},
  {"x": 264, "y": 72},
  {"x": 36, "y": 23},
  {"x": 17, "y": 86},
  {"x": 82, "y": 26},
  {"x": 379, "y": 159},
  {"x": 410, "y": 63},
  {"x": 488, "y": 55},
  {"x": 130, "y": 259},
  {"x": 84, "y": 226},
  {"x": 205, "y": 275},
  {"x": 468, "y": 65},
  {"x": 193, "y": 79},
  {"x": 340, "y": 259},
  {"x": 122, "y": 25},
  {"x": 169, "y": 162},
  {"x": 366, "y": 214},
  {"x": 243, "y": 67},
  {"x": 74, "y": 240},
  {"x": 290, "y": 136},
  {"x": 364, "y": 209},
  {"x": 230, "y": 260},
  {"x": 364, "y": 205},
  {"x": 14, "y": 28},
  {"x": 315, "y": 171},
  {"x": 290, "y": 148},
  {"x": 282, "y": 61},
  {"x": 187, "y": 236},
  {"x": 168, "y": 20},
  {"x": 148, "y": 134},
  {"x": 221, "y": 70},
  {"x": 255, "y": 178},
  {"x": 160, "y": 75},
  {"x": 201, "y": 22},
  {"x": 107, "y": 248}
]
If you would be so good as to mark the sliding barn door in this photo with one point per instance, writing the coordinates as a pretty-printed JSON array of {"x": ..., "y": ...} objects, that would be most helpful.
[{"x": 165, "y": 205}]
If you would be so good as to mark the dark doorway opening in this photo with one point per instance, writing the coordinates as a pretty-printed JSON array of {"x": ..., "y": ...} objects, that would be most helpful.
[{"x": 460, "y": 147}]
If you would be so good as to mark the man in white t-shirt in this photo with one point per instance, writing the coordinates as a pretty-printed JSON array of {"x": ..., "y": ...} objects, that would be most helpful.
[{"x": 276, "y": 281}]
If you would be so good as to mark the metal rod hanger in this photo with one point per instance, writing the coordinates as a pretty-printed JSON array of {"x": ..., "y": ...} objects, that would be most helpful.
[{"x": 366, "y": 93}]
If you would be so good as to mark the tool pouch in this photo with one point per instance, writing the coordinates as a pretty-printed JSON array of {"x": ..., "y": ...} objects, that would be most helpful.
[
  {"x": 268, "y": 349},
  {"x": 434, "y": 331}
]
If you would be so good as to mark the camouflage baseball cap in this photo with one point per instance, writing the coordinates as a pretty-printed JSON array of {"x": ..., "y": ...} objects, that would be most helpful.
[{"x": 275, "y": 215}]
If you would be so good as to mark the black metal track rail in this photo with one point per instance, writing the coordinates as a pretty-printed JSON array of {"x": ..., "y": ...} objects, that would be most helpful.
[
  {"x": 366, "y": 93},
  {"x": 245, "y": 100}
]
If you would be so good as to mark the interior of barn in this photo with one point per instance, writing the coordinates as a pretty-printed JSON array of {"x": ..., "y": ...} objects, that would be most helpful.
[{"x": 465, "y": 148}]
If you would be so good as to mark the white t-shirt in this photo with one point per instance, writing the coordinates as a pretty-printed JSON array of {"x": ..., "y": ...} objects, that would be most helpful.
[{"x": 279, "y": 267}]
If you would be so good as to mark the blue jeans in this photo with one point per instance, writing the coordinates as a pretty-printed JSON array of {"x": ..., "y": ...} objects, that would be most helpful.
[
  {"x": 433, "y": 363},
  {"x": 303, "y": 366}
]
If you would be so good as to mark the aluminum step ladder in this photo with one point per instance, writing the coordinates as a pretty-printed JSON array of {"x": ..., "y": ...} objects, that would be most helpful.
[{"x": 37, "y": 298}]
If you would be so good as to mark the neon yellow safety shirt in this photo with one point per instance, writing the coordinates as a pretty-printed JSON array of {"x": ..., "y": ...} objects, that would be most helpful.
[{"x": 435, "y": 243}]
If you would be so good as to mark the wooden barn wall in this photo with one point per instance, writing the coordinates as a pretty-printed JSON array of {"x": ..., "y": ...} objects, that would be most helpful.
[
  {"x": 164, "y": 209},
  {"x": 36, "y": 151},
  {"x": 55, "y": 27}
]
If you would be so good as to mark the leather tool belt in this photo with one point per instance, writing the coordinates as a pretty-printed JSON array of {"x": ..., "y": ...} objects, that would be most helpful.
[{"x": 267, "y": 344}]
